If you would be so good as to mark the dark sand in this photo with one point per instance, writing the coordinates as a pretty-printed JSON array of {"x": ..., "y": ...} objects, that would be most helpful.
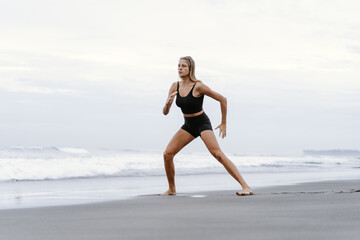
[{"x": 322, "y": 210}]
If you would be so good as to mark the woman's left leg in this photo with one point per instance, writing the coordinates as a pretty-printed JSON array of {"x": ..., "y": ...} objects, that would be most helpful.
[{"x": 212, "y": 145}]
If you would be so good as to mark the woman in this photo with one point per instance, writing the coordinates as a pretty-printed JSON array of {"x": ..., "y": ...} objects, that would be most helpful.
[{"x": 189, "y": 94}]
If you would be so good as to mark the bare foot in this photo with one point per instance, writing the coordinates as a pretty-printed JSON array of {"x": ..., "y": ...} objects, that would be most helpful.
[
  {"x": 169, "y": 192},
  {"x": 245, "y": 192}
]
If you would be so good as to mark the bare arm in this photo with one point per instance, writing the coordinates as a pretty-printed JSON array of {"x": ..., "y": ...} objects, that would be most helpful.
[
  {"x": 223, "y": 105},
  {"x": 170, "y": 99}
]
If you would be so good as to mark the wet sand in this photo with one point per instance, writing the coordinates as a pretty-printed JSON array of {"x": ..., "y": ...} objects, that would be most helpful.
[{"x": 320, "y": 210}]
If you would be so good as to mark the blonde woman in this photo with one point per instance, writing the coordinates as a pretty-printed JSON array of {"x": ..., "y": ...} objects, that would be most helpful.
[{"x": 189, "y": 94}]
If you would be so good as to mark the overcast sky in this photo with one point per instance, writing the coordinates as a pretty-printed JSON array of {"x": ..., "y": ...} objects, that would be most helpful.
[{"x": 97, "y": 73}]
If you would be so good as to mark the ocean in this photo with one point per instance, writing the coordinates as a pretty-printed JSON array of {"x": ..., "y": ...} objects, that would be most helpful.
[{"x": 48, "y": 176}]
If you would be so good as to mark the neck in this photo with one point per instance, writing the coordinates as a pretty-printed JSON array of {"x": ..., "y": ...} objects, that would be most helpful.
[{"x": 185, "y": 79}]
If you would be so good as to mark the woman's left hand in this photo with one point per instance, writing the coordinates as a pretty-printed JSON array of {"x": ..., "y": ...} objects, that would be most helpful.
[{"x": 222, "y": 130}]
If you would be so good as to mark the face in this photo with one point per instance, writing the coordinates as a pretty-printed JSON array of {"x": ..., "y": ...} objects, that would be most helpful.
[{"x": 183, "y": 68}]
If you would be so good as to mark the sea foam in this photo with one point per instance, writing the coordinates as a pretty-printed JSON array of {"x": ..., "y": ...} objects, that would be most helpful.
[{"x": 44, "y": 163}]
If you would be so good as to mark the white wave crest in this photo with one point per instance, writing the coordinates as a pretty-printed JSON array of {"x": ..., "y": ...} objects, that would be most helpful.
[{"x": 38, "y": 163}]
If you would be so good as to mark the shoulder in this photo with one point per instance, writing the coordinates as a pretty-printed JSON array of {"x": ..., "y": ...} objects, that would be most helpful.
[
  {"x": 201, "y": 86},
  {"x": 174, "y": 85}
]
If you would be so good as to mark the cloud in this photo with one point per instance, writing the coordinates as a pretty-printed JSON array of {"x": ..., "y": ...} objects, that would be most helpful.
[
  {"x": 21, "y": 87},
  {"x": 355, "y": 49},
  {"x": 111, "y": 57},
  {"x": 14, "y": 68}
]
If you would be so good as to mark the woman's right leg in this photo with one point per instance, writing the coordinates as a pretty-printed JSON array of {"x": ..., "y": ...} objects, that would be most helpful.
[{"x": 179, "y": 140}]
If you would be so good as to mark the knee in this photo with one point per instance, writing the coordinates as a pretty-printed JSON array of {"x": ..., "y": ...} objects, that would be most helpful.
[
  {"x": 219, "y": 155},
  {"x": 168, "y": 155}
]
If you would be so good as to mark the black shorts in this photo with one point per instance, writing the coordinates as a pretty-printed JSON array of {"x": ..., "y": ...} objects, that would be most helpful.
[{"x": 195, "y": 125}]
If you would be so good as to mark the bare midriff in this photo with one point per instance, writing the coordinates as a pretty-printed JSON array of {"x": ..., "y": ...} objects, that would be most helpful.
[{"x": 194, "y": 114}]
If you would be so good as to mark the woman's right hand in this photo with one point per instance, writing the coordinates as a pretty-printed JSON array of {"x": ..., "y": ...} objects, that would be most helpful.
[{"x": 171, "y": 98}]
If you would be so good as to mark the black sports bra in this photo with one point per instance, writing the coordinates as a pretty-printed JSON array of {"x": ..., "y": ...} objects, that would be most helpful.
[{"x": 189, "y": 104}]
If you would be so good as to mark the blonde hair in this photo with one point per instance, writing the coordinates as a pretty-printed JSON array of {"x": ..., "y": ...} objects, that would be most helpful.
[{"x": 191, "y": 63}]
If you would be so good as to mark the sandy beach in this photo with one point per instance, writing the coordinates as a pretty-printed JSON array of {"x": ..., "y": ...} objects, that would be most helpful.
[{"x": 319, "y": 210}]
